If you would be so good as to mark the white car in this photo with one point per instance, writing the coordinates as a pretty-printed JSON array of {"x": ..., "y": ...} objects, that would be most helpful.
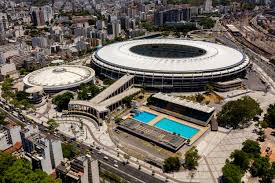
[{"x": 115, "y": 165}]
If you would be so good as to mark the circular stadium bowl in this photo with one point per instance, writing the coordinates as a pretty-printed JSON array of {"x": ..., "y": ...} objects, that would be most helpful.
[{"x": 170, "y": 63}]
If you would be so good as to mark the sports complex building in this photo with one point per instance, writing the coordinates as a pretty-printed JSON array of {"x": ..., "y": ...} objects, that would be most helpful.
[
  {"x": 57, "y": 78},
  {"x": 170, "y": 63}
]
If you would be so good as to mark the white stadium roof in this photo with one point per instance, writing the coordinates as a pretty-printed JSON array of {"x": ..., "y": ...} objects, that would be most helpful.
[
  {"x": 216, "y": 58},
  {"x": 59, "y": 77}
]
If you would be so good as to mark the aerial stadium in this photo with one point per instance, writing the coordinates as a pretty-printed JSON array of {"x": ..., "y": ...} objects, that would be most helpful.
[
  {"x": 170, "y": 63},
  {"x": 57, "y": 78}
]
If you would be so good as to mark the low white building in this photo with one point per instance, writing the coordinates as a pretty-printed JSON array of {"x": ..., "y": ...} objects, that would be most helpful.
[
  {"x": 9, "y": 70},
  {"x": 9, "y": 136}
]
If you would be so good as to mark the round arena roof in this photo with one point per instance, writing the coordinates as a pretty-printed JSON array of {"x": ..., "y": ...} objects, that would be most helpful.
[
  {"x": 59, "y": 77},
  {"x": 170, "y": 56}
]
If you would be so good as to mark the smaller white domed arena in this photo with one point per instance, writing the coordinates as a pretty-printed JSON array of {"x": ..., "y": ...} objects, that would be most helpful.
[{"x": 57, "y": 78}]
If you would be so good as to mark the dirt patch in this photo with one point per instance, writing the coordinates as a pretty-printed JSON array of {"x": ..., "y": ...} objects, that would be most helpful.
[
  {"x": 205, "y": 98},
  {"x": 212, "y": 98},
  {"x": 269, "y": 143}
]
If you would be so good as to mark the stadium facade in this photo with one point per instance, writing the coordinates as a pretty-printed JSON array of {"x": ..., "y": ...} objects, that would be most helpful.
[{"x": 170, "y": 63}]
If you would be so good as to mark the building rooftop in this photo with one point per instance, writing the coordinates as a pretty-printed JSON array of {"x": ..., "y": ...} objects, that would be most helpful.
[
  {"x": 59, "y": 77},
  {"x": 111, "y": 89},
  {"x": 120, "y": 96},
  {"x": 163, "y": 138},
  {"x": 232, "y": 28},
  {"x": 135, "y": 56}
]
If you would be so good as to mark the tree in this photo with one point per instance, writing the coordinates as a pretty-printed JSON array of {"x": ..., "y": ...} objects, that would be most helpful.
[
  {"x": 118, "y": 120},
  {"x": 127, "y": 157},
  {"x": 262, "y": 135},
  {"x": 171, "y": 164},
  {"x": 20, "y": 171},
  {"x": 225, "y": 2},
  {"x": 69, "y": 151},
  {"x": 199, "y": 97},
  {"x": 165, "y": 33},
  {"x": 241, "y": 159},
  {"x": 207, "y": 23},
  {"x": 248, "y": 5},
  {"x": 53, "y": 125},
  {"x": 148, "y": 26},
  {"x": 23, "y": 71},
  {"x": 7, "y": 88},
  {"x": 62, "y": 101},
  {"x": 268, "y": 176},
  {"x": 177, "y": 34},
  {"x": 127, "y": 100},
  {"x": 269, "y": 117},
  {"x": 6, "y": 160},
  {"x": 2, "y": 118},
  {"x": 21, "y": 95},
  {"x": 88, "y": 91},
  {"x": 252, "y": 148},
  {"x": 191, "y": 158},
  {"x": 209, "y": 89},
  {"x": 231, "y": 173},
  {"x": 91, "y": 21},
  {"x": 260, "y": 167},
  {"x": 272, "y": 61},
  {"x": 108, "y": 81},
  {"x": 238, "y": 112}
]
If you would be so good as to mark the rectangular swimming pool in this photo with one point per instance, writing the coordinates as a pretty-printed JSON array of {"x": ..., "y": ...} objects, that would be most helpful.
[
  {"x": 144, "y": 117},
  {"x": 176, "y": 127}
]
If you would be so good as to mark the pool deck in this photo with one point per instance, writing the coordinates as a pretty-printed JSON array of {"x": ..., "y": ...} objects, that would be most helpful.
[{"x": 160, "y": 116}]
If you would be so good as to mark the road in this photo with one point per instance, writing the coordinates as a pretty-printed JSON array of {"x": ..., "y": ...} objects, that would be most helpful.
[{"x": 124, "y": 170}]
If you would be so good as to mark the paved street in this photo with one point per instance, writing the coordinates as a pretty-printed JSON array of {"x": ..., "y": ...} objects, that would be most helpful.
[{"x": 128, "y": 172}]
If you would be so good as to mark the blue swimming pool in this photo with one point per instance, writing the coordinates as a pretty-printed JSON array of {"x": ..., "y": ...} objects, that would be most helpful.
[
  {"x": 144, "y": 117},
  {"x": 176, "y": 127}
]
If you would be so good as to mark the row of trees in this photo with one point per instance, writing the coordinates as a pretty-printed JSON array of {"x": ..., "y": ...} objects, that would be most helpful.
[
  {"x": 17, "y": 98},
  {"x": 269, "y": 117},
  {"x": 20, "y": 171},
  {"x": 184, "y": 29},
  {"x": 191, "y": 161},
  {"x": 248, "y": 159}
]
